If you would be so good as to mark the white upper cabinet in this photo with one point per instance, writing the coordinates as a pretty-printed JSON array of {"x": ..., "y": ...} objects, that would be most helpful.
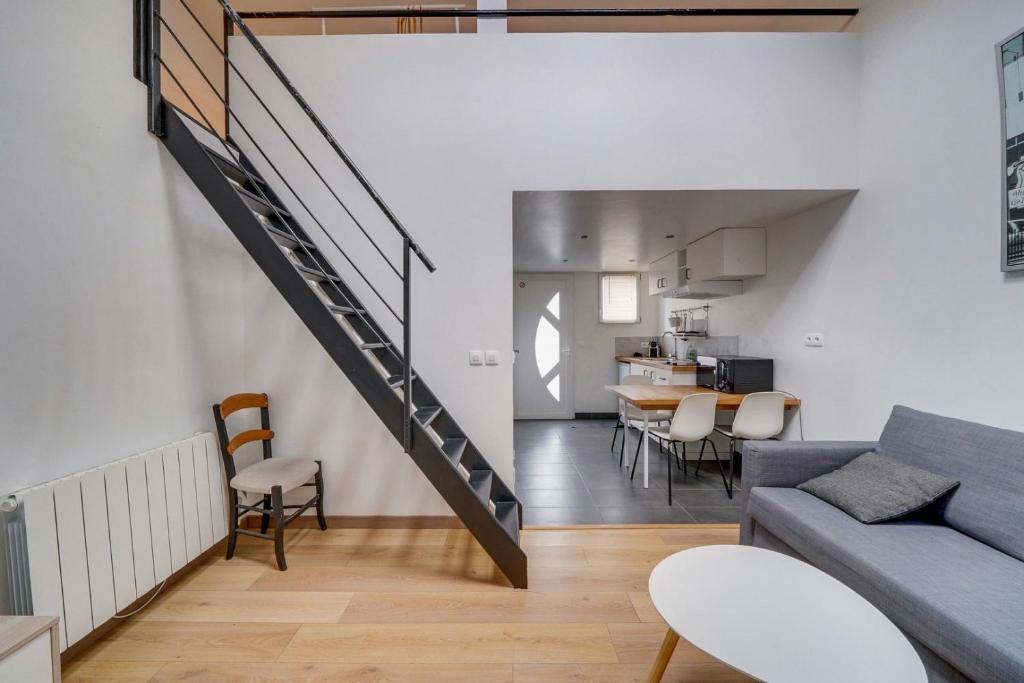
[
  {"x": 726, "y": 254},
  {"x": 664, "y": 274}
]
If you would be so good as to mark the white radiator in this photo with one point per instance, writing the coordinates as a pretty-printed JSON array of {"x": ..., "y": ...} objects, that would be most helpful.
[{"x": 98, "y": 540}]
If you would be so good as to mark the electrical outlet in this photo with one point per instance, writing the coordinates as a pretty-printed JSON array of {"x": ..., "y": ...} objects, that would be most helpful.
[
  {"x": 476, "y": 357},
  {"x": 491, "y": 357},
  {"x": 816, "y": 339}
]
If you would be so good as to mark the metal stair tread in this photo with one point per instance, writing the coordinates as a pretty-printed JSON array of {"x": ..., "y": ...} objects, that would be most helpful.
[
  {"x": 306, "y": 270},
  {"x": 234, "y": 167},
  {"x": 395, "y": 381},
  {"x": 507, "y": 513},
  {"x": 345, "y": 310},
  {"x": 426, "y": 414},
  {"x": 366, "y": 346},
  {"x": 453, "y": 448},
  {"x": 480, "y": 482},
  {"x": 292, "y": 241},
  {"x": 272, "y": 208}
]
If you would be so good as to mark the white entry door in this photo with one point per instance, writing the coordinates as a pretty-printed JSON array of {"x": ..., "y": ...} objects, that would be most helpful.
[{"x": 542, "y": 338}]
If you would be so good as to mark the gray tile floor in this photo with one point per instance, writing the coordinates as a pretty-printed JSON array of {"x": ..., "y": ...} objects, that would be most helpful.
[{"x": 566, "y": 474}]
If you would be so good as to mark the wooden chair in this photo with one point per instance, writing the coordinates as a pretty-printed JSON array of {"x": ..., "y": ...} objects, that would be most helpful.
[{"x": 271, "y": 477}]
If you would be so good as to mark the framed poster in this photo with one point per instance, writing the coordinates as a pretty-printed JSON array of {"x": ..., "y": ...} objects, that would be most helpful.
[{"x": 1010, "y": 58}]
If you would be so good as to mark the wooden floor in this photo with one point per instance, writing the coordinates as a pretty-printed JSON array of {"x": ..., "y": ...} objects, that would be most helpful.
[{"x": 396, "y": 605}]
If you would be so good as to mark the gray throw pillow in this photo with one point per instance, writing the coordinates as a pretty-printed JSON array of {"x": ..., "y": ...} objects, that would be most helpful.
[{"x": 873, "y": 488}]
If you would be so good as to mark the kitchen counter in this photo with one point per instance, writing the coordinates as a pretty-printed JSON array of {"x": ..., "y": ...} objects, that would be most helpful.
[{"x": 654, "y": 363}]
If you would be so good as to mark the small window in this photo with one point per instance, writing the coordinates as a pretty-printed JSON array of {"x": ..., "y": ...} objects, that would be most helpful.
[{"x": 620, "y": 300}]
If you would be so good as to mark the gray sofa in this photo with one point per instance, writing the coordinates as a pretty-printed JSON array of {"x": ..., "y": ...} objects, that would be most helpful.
[{"x": 952, "y": 577}]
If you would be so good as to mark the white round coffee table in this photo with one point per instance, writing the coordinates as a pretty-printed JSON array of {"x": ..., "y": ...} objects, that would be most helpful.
[{"x": 776, "y": 619}]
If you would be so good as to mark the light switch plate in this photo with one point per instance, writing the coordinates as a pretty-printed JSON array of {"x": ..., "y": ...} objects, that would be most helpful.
[
  {"x": 815, "y": 339},
  {"x": 476, "y": 357},
  {"x": 492, "y": 357}
]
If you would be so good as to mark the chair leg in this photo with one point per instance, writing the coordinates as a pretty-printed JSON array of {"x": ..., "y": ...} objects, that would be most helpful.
[
  {"x": 277, "y": 498},
  {"x": 265, "y": 517},
  {"x": 668, "y": 475},
  {"x": 622, "y": 444},
  {"x": 615, "y": 434},
  {"x": 682, "y": 463},
  {"x": 700, "y": 458},
  {"x": 636, "y": 456},
  {"x": 320, "y": 498},
  {"x": 232, "y": 523},
  {"x": 732, "y": 460},
  {"x": 721, "y": 470}
]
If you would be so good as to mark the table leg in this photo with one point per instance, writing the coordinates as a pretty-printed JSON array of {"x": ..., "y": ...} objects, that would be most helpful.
[
  {"x": 646, "y": 442},
  {"x": 668, "y": 646}
]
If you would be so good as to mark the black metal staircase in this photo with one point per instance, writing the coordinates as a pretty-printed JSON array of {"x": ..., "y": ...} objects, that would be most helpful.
[{"x": 289, "y": 256}]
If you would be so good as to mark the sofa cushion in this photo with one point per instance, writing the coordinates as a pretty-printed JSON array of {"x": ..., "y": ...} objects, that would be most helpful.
[
  {"x": 961, "y": 598},
  {"x": 988, "y": 462},
  {"x": 873, "y": 488}
]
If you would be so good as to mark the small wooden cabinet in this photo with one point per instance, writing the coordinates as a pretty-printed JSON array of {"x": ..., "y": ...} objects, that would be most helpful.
[
  {"x": 727, "y": 254},
  {"x": 29, "y": 649}
]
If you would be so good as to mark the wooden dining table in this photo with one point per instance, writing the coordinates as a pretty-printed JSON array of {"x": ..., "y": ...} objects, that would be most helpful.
[{"x": 649, "y": 397}]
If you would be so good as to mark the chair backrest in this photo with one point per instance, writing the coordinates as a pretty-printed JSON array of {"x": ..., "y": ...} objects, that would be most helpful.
[
  {"x": 760, "y": 415},
  {"x": 228, "y": 444},
  {"x": 637, "y": 379},
  {"x": 694, "y": 418}
]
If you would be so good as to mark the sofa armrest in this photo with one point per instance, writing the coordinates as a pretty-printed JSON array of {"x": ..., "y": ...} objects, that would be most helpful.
[{"x": 788, "y": 463}]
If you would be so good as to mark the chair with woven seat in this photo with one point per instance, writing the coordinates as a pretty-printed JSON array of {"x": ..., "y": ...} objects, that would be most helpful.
[{"x": 270, "y": 477}]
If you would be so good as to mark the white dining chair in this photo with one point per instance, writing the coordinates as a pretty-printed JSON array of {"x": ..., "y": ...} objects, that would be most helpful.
[
  {"x": 760, "y": 416},
  {"x": 631, "y": 415},
  {"x": 693, "y": 420}
]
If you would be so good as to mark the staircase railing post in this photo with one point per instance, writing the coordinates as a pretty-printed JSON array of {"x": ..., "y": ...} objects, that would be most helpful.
[
  {"x": 156, "y": 123},
  {"x": 407, "y": 339}
]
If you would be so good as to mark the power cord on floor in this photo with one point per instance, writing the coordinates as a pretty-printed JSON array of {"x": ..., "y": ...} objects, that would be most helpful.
[
  {"x": 144, "y": 606},
  {"x": 799, "y": 411}
]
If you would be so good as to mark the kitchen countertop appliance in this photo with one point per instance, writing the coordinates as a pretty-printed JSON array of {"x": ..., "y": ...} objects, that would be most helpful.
[{"x": 744, "y": 374}]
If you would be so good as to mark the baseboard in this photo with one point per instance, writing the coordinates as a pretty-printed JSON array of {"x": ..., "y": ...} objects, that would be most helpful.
[
  {"x": 596, "y": 416},
  {"x": 90, "y": 639},
  {"x": 367, "y": 522}
]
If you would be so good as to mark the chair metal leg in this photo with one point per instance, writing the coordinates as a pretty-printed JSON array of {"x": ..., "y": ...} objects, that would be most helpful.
[
  {"x": 319, "y": 479},
  {"x": 636, "y": 456},
  {"x": 615, "y": 434},
  {"x": 277, "y": 498},
  {"x": 232, "y": 523},
  {"x": 265, "y": 517},
  {"x": 668, "y": 475},
  {"x": 622, "y": 444},
  {"x": 732, "y": 460},
  {"x": 721, "y": 470},
  {"x": 700, "y": 458}
]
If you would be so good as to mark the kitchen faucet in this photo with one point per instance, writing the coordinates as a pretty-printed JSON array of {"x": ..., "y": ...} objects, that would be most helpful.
[{"x": 675, "y": 344}]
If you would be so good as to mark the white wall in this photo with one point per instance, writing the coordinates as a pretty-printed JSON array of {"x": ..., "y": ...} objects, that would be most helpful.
[
  {"x": 594, "y": 364},
  {"x": 447, "y": 127},
  {"x": 903, "y": 280},
  {"x": 122, "y": 302}
]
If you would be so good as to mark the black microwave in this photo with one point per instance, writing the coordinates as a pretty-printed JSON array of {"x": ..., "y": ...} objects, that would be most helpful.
[{"x": 744, "y": 374}]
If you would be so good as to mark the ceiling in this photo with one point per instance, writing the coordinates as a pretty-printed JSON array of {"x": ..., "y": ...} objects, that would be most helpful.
[
  {"x": 549, "y": 25},
  {"x": 627, "y": 229}
]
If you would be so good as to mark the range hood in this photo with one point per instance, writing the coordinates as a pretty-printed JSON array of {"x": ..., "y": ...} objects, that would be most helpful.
[{"x": 711, "y": 289}]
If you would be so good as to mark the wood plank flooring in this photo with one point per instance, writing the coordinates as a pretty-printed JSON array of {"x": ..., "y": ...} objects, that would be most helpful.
[{"x": 411, "y": 605}]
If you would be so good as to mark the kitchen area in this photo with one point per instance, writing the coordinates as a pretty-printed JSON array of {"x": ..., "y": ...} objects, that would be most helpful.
[{"x": 613, "y": 454}]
